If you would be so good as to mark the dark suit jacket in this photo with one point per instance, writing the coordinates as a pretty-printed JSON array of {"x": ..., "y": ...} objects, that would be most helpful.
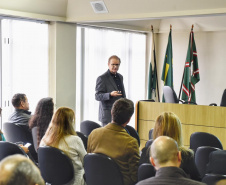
[
  {"x": 105, "y": 84},
  {"x": 169, "y": 176}
]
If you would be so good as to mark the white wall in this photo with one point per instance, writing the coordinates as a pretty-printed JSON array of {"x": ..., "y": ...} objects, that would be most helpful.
[{"x": 211, "y": 49}]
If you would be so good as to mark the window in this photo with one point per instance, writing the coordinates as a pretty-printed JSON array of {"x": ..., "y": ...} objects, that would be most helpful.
[
  {"x": 24, "y": 62},
  {"x": 94, "y": 48}
]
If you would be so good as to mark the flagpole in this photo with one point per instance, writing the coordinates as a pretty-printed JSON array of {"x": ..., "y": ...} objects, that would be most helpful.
[
  {"x": 184, "y": 70},
  {"x": 155, "y": 63}
]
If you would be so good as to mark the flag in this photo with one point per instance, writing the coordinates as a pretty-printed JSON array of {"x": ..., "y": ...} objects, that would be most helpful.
[
  {"x": 191, "y": 72},
  {"x": 152, "y": 77},
  {"x": 167, "y": 71}
]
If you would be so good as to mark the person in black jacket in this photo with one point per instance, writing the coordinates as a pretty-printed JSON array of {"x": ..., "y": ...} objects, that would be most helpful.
[
  {"x": 166, "y": 158},
  {"x": 168, "y": 124}
]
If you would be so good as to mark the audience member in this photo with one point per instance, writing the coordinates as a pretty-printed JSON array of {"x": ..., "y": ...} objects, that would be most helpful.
[
  {"x": 168, "y": 124},
  {"x": 221, "y": 182},
  {"x": 61, "y": 134},
  {"x": 166, "y": 158},
  {"x": 42, "y": 117},
  {"x": 114, "y": 141},
  {"x": 19, "y": 170},
  {"x": 21, "y": 115}
]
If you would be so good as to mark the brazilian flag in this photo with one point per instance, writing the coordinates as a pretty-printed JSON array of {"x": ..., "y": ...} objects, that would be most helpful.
[{"x": 167, "y": 71}]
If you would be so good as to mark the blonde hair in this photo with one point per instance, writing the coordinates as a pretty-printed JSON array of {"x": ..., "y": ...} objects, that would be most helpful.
[
  {"x": 62, "y": 124},
  {"x": 168, "y": 124}
]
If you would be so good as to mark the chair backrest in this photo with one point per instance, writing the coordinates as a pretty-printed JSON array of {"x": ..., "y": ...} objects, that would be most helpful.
[
  {"x": 170, "y": 95},
  {"x": 86, "y": 127},
  {"x": 202, "y": 158},
  {"x": 223, "y": 99},
  {"x": 35, "y": 137},
  {"x": 149, "y": 142},
  {"x": 145, "y": 171},
  {"x": 55, "y": 166},
  {"x": 15, "y": 133},
  {"x": 133, "y": 133},
  {"x": 211, "y": 179},
  {"x": 101, "y": 170},
  {"x": 83, "y": 138},
  {"x": 198, "y": 139},
  {"x": 150, "y": 133},
  {"x": 7, "y": 149},
  {"x": 217, "y": 162}
]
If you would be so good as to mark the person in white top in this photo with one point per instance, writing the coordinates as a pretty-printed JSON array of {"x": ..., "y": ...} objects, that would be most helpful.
[{"x": 61, "y": 134}]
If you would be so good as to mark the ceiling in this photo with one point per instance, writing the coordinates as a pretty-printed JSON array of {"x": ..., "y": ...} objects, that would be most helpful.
[{"x": 206, "y": 15}]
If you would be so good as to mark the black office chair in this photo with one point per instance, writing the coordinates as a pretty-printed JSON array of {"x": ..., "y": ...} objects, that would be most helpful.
[
  {"x": 217, "y": 162},
  {"x": 150, "y": 133},
  {"x": 145, "y": 171},
  {"x": 223, "y": 99},
  {"x": 7, "y": 149},
  {"x": 212, "y": 179},
  {"x": 83, "y": 138},
  {"x": 202, "y": 158},
  {"x": 149, "y": 142},
  {"x": 14, "y": 132},
  {"x": 198, "y": 139},
  {"x": 55, "y": 166},
  {"x": 171, "y": 97},
  {"x": 86, "y": 127},
  {"x": 133, "y": 133},
  {"x": 35, "y": 137},
  {"x": 101, "y": 170}
]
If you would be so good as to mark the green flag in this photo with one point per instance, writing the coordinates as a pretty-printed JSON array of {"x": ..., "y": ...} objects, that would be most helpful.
[
  {"x": 167, "y": 71},
  {"x": 152, "y": 77},
  {"x": 191, "y": 72}
]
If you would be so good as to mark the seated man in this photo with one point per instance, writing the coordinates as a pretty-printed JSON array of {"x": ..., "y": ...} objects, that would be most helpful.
[
  {"x": 21, "y": 115},
  {"x": 17, "y": 169},
  {"x": 114, "y": 141},
  {"x": 166, "y": 158}
]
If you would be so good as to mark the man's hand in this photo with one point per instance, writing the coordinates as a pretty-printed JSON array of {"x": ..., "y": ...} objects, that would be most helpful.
[{"x": 116, "y": 93}]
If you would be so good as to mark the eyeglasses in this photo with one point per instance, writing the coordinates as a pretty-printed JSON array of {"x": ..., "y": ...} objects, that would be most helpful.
[{"x": 116, "y": 65}]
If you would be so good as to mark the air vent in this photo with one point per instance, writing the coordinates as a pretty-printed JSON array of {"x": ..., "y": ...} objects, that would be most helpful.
[{"x": 99, "y": 7}]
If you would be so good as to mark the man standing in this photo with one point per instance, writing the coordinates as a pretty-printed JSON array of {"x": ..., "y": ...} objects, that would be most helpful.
[
  {"x": 114, "y": 141},
  {"x": 166, "y": 158},
  {"x": 109, "y": 88},
  {"x": 21, "y": 115}
]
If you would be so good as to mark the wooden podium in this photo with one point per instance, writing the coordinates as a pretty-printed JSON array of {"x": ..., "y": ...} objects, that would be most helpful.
[{"x": 194, "y": 118}]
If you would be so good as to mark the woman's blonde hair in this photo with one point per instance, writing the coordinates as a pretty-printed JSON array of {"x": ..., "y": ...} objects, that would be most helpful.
[
  {"x": 62, "y": 124},
  {"x": 168, "y": 124}
]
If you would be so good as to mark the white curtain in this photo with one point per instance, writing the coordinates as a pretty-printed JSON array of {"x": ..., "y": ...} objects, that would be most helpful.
[
  {"x": 95, "y": 46},
  {"x": 24, "y": 62}
]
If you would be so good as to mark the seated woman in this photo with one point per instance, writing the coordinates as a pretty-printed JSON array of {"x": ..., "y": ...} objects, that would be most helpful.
[
  {"x": 168, "y": 124},
  {"x": 61, "y": 134},
  {"x": 42, "y": 117}
]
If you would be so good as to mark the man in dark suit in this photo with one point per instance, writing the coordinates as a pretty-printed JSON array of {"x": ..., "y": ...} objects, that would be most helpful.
[
  {"x": 166, "y": 158},
  {"x": 109, "y": 88}
]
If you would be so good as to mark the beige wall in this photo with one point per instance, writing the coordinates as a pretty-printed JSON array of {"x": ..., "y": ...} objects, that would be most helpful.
[{"x": 63, "y": 63}]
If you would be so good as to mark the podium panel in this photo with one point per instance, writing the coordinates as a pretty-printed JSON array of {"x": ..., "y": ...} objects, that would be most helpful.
[{"x": 194, "y": 118}]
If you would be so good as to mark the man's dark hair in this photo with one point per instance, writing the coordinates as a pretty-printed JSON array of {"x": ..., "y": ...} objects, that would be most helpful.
[
  {"x": 122, "y": 110},
  {"x": 114, "y": 57},
  {"x": 17, "y": 98}
]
